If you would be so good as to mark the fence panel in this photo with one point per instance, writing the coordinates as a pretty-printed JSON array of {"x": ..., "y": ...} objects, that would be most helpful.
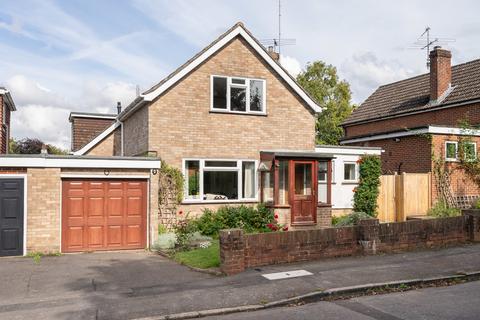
[{"x": 404, "y": 195}]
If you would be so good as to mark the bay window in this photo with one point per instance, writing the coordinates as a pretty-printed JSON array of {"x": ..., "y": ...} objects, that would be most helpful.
[
  {"x": 220, "y": 180},
  {"x": 238, "y": 95}
]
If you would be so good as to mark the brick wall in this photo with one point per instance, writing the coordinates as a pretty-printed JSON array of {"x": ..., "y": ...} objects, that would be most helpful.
[
  {"x": 239, "y": 251},
  {"x": 85, "y": 130},
  {"x": 410, "y": 154},
  {"x": 136, "y": 132},
  {"x": 109, "y": 146},
  {"x": 43, "y": 215},
  {"x": 445, "y": 117}
]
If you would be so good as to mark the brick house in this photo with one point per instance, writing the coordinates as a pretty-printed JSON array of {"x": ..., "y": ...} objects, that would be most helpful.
[
  {"x": 6, "y": 107},
  {"x": 239, "y": 127},
  {"x": 417, "y": 118}
]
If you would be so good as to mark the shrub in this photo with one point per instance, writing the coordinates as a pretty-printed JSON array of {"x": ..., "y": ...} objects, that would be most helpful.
[
  {"x": 247, "y": 218},
  {"x": 184, "y": 231},
  {"x": 365, "y": 197},
  {"x": 442, "y": 210},
  {"x": 350, "y": 219},
  {"x": 165, "y": 241}
]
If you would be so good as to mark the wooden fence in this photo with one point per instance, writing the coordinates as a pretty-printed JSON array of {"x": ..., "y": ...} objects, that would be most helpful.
[{"x": 408, "y": 194}]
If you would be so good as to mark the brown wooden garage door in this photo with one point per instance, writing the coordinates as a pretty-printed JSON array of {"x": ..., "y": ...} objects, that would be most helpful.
[{"x": 103, "y": 214}]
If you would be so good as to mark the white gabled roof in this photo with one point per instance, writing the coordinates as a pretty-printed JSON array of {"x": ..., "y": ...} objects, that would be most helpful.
[
  {"x": 237, "y": 30},
  {"x": 97, "y": 139}
]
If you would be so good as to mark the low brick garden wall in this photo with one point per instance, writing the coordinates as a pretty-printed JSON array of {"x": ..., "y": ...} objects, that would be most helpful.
[{"x": 239, "y": 251}]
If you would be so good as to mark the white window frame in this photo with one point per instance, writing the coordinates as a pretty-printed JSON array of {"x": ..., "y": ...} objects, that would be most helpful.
[
  {"x": 356, "y": 172},
  {"x": 247, "y": 97},
  {"x": 474, "y": 148},
  {"x": 202, "y": 169},
  {"x": 333, "y": 175},
  {"x": 456, "y": 151}
]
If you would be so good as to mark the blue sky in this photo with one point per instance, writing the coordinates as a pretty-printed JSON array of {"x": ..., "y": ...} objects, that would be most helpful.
[{"x": 84, "y": 55}]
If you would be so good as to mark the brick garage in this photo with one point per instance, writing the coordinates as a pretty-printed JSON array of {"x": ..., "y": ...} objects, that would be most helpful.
[
  {"x": 42, "y": 177},
  {"x": 239, "y": 251}
]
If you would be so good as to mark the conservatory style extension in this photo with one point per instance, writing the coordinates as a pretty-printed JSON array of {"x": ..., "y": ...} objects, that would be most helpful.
[{"x": 298, "y": 186}]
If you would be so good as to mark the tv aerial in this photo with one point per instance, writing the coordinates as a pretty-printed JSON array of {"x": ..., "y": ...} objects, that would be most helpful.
[
  {"x": 277, "y": 43},
  {"x": 426, "y": 40}
]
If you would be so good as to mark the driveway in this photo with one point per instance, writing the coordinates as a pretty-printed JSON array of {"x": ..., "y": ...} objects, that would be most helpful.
[{"x": 71, "y": 286}]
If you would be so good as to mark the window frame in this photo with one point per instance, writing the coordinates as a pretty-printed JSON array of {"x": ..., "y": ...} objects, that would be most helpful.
[
  {"x": 326, "y": 174},
  {"x": 456, "y": 151},
  {"x": 247, "y": 96},
  {"x": 356, "y": 172},
  {"x": 202, "y": 168},
  {"x": 474, "y": 149}
]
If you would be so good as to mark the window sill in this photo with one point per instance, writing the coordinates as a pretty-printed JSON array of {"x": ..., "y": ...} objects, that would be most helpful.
[
  {"x": 262, "y": 114},
  {"x": 350, "y": 182}
]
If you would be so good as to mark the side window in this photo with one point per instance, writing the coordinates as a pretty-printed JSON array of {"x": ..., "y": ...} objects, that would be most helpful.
[{"x": 350, "y": 171}]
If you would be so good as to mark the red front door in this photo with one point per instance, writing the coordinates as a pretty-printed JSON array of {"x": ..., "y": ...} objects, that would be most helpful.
[{"x": 303, "y": 192}]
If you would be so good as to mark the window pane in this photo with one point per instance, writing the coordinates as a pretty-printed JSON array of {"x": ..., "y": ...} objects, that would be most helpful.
[
  {"x": 256, "y": 95},
  {"x": 220, "y": 93},
  {"x": 248, "y": 176},
  {"x": 238, "y": 81},
  {"x": 238, "y": 99},
  {"x": 451, "y": 150},
  {"x": 267, "y": 185},
  {"x": 283, "y": 183},
  {"x": 470, "y": 152},
  {"x": 322, "y": 171},
  {"x": 349, "y": 171},
  {"x": 303, "y": 179},
  {"x": 193, "y": 179},
  {"x": 210, "y": 163},
  {"x": 220, "y": 185},
  {"x": 322, "y": 192}
]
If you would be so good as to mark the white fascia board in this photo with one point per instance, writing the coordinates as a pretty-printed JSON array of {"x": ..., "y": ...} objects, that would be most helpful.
[
  {"x": 45, "y": 162},
  {"x": 387, "y": 136},
  {"x": 349, "y": 151},
  {"x": 237, "y": 31},
  {"x": 97, "y": 139},
  {"x": 454, "y": 131},
  {"x": 80, "y": 115},
  {"x": 429, "y": 130}
]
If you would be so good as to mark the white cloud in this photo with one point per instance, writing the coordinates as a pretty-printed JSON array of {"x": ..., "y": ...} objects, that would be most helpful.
[
  {"x": 98, "y": 98},
  {"x": 365, "y": 72},
  {"x": 48, "y": 123},
  {"x": 291, "y": 64}
]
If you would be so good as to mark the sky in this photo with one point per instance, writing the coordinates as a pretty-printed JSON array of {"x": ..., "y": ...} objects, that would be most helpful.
[{"x": 85, "y": 55}]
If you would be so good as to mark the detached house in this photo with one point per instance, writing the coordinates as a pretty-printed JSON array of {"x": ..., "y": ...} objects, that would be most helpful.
[
  {"x": 417, "y": 118},
  {"x": 6, "y": 107}
]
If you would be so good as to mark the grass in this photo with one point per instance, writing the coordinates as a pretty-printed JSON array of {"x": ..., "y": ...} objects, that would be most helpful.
[{"x": 202, "y": 258}]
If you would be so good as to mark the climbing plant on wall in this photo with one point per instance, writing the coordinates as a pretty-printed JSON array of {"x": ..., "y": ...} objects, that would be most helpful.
[
  {"x": 170, "y": 193},
  {"x": 366, "y": 194}
]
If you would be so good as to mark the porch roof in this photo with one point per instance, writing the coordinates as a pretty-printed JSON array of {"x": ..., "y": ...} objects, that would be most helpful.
[{"x": 271, "y": 154}]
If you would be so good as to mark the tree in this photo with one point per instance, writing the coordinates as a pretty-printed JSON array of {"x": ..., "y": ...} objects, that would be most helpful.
[
  {"x": 332, "y": 94},
  {"x": 32, "y": 146}
]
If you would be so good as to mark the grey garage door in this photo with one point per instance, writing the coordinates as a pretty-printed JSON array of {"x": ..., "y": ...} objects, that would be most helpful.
[{"x": 11, "y": 217}]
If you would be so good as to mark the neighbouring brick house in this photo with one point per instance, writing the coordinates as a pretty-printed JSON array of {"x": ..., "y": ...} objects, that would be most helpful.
[
  {"x": 240, "y": 128},
  {"x": 6, "y": 107},
  {"x": 417, "y": 118}
]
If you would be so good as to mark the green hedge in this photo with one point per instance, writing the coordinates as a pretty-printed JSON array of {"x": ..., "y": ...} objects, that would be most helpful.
[{"x": 365, "y": 197}]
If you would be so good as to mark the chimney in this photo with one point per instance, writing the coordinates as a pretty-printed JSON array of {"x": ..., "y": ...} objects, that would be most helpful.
[
  {"x": 273, "y": 54},
  {"x": 119, "y": 107},
  {"x": 440, "y": 72},
  {"x": 44, "y": 149}
]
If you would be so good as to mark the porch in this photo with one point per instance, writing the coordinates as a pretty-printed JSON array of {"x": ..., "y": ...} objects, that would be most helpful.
[{"x": 298, "y": 187}]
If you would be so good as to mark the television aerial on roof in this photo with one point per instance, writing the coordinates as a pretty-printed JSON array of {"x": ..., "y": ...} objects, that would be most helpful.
[
  {"x": 277, "y": 43},
  {"x": 426, "y": 40}
]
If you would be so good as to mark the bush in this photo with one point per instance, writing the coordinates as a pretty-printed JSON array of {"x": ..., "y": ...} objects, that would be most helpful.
[
  {"x": 250, "y": 219},
  {"x": 165, "y": 241},
  {"x": 476, "y": 204},
  {"x": 365, "y": 197},
  {"x": 184, "y": 231},
  {"x": 349, "y": 219},
  {"x": 442, "y": 210}
]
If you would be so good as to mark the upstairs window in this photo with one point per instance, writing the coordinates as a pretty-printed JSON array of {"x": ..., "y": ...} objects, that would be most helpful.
[{"x": 238, "y": 95}]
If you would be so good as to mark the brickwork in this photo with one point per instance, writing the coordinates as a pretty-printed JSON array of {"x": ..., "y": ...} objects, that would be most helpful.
[
  {"x": 136, "y": 132},
  {"x": 444, "y": 117},
  {"x": 408, "y": 154},
  {"x": 369, "y": 237},
  {"x": 324, "y": 216},
  {"x": 117, "y": 142},
  {"x": 440, "y": 72},
  {"x": 43, "y": 212},
  {"x": 104, "y": 147},
  {"x": 85, "y": 130}
]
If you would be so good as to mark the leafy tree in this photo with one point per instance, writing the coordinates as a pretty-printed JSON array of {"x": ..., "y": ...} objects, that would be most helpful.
[
  {"x": 366, "y": 194},
  {"x": 32, "y": 146},
  {"x": 322, "y": 83}
]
